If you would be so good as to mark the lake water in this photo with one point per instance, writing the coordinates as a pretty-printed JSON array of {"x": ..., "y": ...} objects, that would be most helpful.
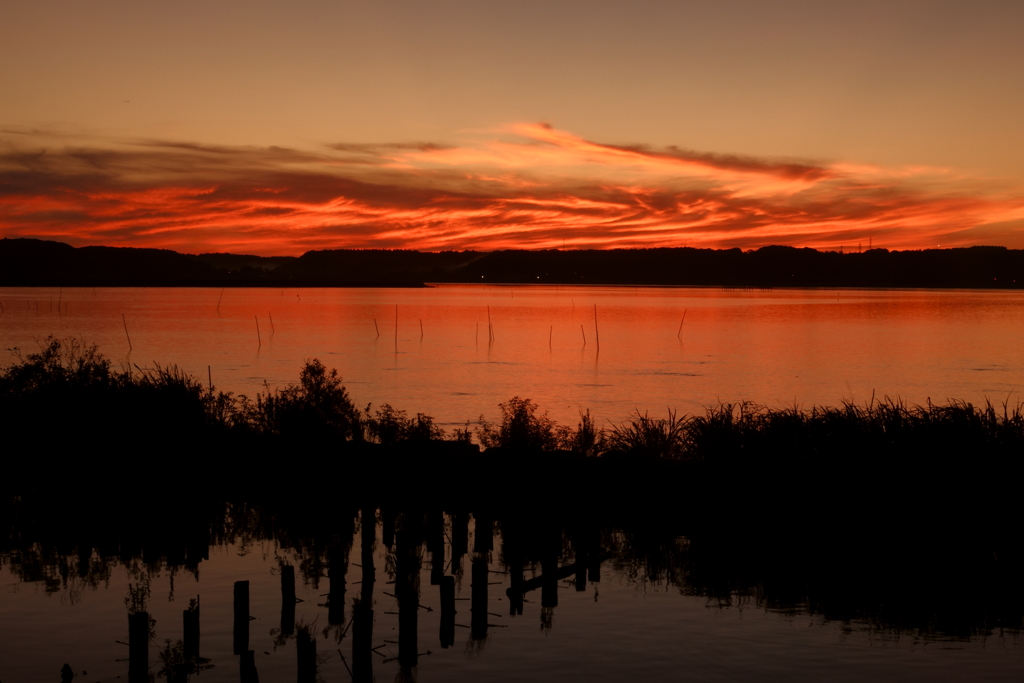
[
  {"x": 597, "y": 605},
  {"x": 718, "y": 591},
  {"x": 457, "y": 351}
]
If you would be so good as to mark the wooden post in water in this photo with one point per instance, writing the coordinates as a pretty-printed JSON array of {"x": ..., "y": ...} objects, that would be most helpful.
[
  {"x": 219, "y": 298},
  {"x": 305, "y": 646},
  {"x": 680, "y": 332},
  {"x": 407, "y": 591},
  {"x": 336, "y": 570},
  {"x": 376, "y": 328},
  {"x": 460, "y": 540},
  {"x": 447, "y": 635},
  {"x": 241, "y": 613},
  {"x": 247, "y": 667},
  {"x": 258, "y": 338},
  {"x": 597, "y": 332},
  {"x": 273, "y": 330},
  {"x": 584, "y": 335},
  {"x": 362, "y": 609},
  {"x": 287, "y": 600},
  {"x": 396, "y": 328},
  {"x": 138, "y": 647},
  {"x": 478, "y": 596},
  {"x": 190, "y": 627},
  {"x": 421, "y": 328}
]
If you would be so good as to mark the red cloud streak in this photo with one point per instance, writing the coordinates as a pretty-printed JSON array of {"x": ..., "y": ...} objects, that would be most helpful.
[{"x": 531, "y": 187}]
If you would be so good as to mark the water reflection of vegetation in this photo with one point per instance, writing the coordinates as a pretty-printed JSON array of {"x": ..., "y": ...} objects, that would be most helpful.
[{"x": 936, "y": 581}]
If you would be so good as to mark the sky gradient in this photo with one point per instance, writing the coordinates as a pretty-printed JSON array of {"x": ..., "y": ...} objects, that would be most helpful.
[{"x": 273, "y": 129}]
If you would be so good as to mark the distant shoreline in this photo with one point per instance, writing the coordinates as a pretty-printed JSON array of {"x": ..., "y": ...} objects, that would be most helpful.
[{"x": 40, "y": 263}]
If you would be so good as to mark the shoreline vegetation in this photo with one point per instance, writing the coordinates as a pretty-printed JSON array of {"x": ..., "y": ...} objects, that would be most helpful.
[
  {"x": 32, "y": 262},
  {"x": 68, "y": 395}
]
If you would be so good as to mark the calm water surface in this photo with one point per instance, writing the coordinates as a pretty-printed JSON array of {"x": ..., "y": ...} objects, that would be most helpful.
[{"x": 777, "y": 348}]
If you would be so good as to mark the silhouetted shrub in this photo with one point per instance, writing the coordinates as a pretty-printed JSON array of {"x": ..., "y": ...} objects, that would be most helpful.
[
  {"x": 521, "y": 428},
  {"x": 389, "y": 426},
  {"x": 318, "y": 406}
]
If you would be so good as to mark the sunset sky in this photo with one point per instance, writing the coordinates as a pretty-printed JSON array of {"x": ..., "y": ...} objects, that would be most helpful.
[{"x": 275, "y": 128}]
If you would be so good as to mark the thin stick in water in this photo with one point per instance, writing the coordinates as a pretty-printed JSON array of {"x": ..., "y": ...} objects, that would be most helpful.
[
  {"x": 376, "y": 328},
  {"x": 550, "y": 333},
  {"x": 584, "y": 335},
  {"x": 396, "y": 328},
  {"x": 125, "y": 323},
  {"x": 597, "y": 332},
  {"x": 421, "y": 328},
  {"x": 258, "y": 337},
  {"x": 219, "y": 298},
  {"x": 680, "y": 332},
  {"x": 273, "y": 330},
  {"x": 476, "y": 337}
]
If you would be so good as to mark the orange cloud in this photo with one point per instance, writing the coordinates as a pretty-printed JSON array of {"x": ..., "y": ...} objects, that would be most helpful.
[{"x": 530, "y": 186}]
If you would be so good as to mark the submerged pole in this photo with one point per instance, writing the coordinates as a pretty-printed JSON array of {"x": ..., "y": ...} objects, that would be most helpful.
[{"x": 125, "y": 323}]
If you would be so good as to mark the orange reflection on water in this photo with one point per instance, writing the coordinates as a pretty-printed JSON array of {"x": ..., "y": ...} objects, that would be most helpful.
[{"x": 774, "y": 347}]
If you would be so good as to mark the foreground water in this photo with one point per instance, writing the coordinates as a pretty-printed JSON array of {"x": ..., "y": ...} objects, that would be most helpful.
[
  {"x": 597, "y": 605},
  {"x": 457, "y": 351}
]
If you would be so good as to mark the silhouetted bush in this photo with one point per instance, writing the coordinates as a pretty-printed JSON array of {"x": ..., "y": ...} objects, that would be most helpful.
[
  {"x": 319, "y": 406},
  {"x": 389, "y": 426},
  {"x": 521, "y": 428}
]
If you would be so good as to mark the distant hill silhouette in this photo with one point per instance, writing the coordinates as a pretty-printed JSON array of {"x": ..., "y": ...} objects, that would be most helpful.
[{"x": 30, "y": 262}]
